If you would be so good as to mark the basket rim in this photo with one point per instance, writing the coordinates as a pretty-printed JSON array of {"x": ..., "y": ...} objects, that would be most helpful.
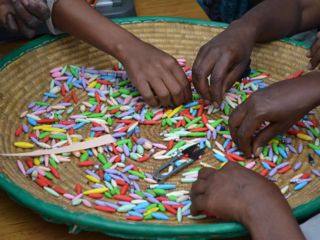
[{"x": 93, "y": 222}]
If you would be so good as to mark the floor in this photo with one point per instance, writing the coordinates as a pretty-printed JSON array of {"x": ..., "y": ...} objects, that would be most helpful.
[{"x": 18, "y": 223}]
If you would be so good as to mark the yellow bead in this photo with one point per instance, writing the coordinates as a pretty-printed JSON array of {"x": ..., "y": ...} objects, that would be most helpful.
[
  {"x": 92, "y": 84},
  {"x": 92, "y": 179},
  {"x": 36, "y": 161},
  {"x": 152, "y": 210},
  {"x": 97, "y": 190},
  {"x": 40, "y": 127},
  {"x": 167, "y": 113},
  {"x": 304, "y": 137},
  {"x": 23, "y": 145},
  {"x": 276, "y": 141},
  {"x": 174, "y": 111},
  {"x": 52, "y": 129}
]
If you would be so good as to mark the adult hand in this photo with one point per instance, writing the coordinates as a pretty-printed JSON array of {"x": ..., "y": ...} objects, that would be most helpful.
[
  {"x": 224, "y": 59},
  {"x": 239, "y": 194},
  {"x": 281, "y": 105},
  {"x": 29, "y": 14},
  {"x": 157, "y": 75}
]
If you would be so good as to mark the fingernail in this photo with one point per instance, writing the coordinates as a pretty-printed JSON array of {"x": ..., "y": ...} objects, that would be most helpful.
[
  {"x": 10, "y": 22},
  {"x": 308, "y": 54},
  {"x": 258, "y": 151},
  {"x": 215, "y": 104},
  {"x": 310, "y": 66}
]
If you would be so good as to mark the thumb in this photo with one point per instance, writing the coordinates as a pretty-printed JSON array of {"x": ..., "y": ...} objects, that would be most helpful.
[{"x": 266, "y": 135}]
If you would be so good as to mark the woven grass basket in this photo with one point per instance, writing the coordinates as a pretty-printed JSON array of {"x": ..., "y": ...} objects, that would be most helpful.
[{"x": 23, "y": 76}]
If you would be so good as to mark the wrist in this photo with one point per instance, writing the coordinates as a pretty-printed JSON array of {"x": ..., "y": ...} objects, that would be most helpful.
[
  {"x": 311, "y": 81},
  {"x": 246, "y": 28},
  {"x": 271, "y": 219}
]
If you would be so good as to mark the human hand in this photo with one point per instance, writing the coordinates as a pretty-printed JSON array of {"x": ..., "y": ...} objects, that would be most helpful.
[
  {"x": 281, "y": 105},
  {"x": 225, "y": 58},
  {"x": 156, "y": 75},
  {"x": 230, "y": 192},
  {"x": 239, "y": 194},
  {"x": 314, "y": 53},
  {"x": 28, "y": 15},
  {"x": 6, "y": 15}
]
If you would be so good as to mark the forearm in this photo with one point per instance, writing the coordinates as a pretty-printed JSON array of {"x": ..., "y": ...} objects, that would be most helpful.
[
  {"x": 274, "y": 222},
  {"x": 79, "y": 19},
  {"x": 273, "y": 19}
]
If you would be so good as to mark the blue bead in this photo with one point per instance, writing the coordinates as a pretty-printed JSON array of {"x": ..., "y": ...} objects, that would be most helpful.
[
  {"x": 266, "y": 165},
  {"x": 32, "y": 121},
  {"x": 141, "y": 206},
  {"x": 300, "y": 185},
  {"x": 220, "y": 158},
  {"x": 159, "y": 216}
]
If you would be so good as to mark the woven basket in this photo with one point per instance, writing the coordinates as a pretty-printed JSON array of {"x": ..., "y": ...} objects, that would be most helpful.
[{"x": 23, "y": 76}]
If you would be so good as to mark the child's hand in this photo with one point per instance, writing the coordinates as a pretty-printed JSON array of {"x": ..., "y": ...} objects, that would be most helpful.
[
  {"x": 314, "y": 53},
  {"x": 281, "y": 104},
  {"x": 29, "y": 14},
  {"x": 225, "y": 58},
  {"x": 156, "y": 75},
  {"x": 238, "y": 194}
]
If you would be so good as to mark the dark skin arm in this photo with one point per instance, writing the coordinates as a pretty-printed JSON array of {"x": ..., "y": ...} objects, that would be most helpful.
[
  {"x": 281, "y": 104},
  {"x": 226, "y": 56},
  {"x": 238, "y": 194},
  {"x": 156, "y": 74}
]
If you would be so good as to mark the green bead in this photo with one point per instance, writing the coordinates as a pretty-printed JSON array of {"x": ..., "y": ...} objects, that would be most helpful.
[
  {"x": 108, "y": 195},
  {"x": 123, "y": 83},
  {"x": 172, "y": 198},
  {"x": 137, "y": 174},
  {"x": 48, "y": 175},
  {"x": 148, "y": 217},
  {"x": 153, "y": 205},
  {"x": 151, "y": 192},
  {"x": 84, "y": 157},
  {"x": 43, "y": 135},
  {"x": 159, "y": 191},
  {"x": 102, "y": 158},
  {"x": 139, "y": 193},
  {"x": 161, "y": 207},
  {"x": 107, "y": 166},
  {"x": 53, "y": 163}
]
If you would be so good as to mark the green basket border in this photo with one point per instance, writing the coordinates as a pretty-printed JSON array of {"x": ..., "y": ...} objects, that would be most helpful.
[{"x": 92, "y": 222}]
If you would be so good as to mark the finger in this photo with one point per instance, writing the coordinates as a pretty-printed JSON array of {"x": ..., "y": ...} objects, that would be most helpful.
[
  {"x": 315, "y": 60},
  {"x": 201, "y": 69},
  {"x": 147, "y": 94},
  {"x": 204, "y": 173},
  {"x": 184, "y": 82},
  {"x": 160, "y": 90},
  {"x": 174, "y": 88},
  {"x": 197, "y": 204},
  {"x": 11, "y": 23},
  {"x": 315, "y": 46},
  {"x": 266, "y": 135},
  {"x": 28, "y": 19},
  {"x": 37, "y": 8},
  {"x": 233, "y": 76},
  {"x": 218, "y": 76},
  {"x": 246, "y": 131},
  {"x": 198, "y": 187},
  {"x": 25, "y": 30},
  {"x": 236, "y": 119}
]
